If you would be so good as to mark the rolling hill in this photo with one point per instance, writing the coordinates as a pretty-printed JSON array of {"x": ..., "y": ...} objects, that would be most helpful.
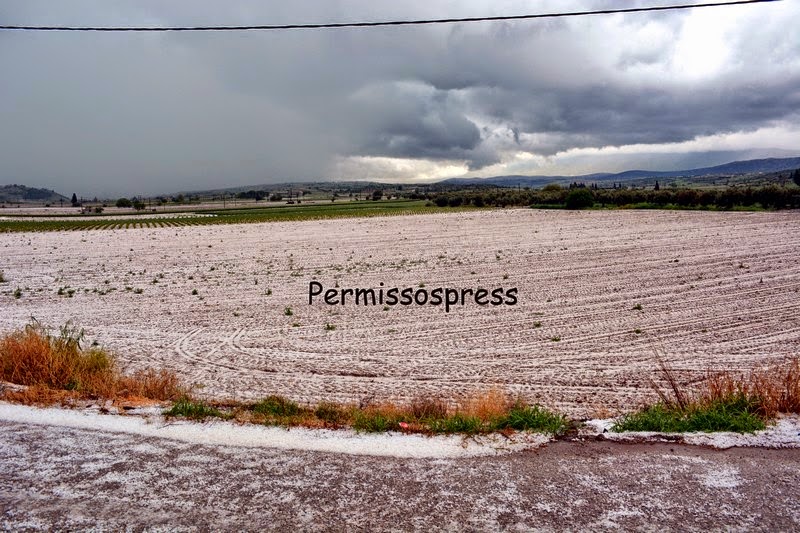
[
  {"x": 736, "y": 168},
  {"x": 21, "y": 193}
]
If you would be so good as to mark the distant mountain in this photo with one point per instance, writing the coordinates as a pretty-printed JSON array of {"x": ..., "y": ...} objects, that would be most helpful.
[
  {"x": 21, "y": 193},
  {"x": 752, "y": 166}
]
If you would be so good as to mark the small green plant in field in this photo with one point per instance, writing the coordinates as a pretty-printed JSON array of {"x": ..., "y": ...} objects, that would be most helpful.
[
  {"x": 2, "y": 277},
  {"x": 555, "y": 339},
  {"x": 17, "y": 293},
  {"x": 194, "y": 292},
  {"x": 537, "y": 324},
  {"x": 269, "y": 292},
  {"x": 330, "y": 327},
  {"x": 194, "y": 409},
  {"x": 637, "y": 331},
  {"x": 288, "y": 311},
  {"x": 637, "y": 307},
  {"x": 386, "y": 307}
]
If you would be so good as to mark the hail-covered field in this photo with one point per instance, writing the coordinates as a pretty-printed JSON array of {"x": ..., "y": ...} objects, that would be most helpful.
[{"x": 599, "y": 294}]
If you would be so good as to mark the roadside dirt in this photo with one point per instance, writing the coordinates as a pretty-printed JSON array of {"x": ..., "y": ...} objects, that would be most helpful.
[{"x": 63, "y": 478}]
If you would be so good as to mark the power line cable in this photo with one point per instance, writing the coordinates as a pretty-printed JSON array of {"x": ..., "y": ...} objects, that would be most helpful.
[{"x": 336, "y": 25}]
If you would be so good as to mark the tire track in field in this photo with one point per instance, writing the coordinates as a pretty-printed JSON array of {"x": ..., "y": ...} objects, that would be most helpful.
[{"x": 182, "y": 347}]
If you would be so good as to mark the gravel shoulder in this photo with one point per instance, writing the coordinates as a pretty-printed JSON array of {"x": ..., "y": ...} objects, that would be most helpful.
[{"x": 57, "y": 477}]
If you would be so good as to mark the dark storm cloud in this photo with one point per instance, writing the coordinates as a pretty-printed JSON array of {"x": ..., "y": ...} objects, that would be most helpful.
[
  {"x": 155, "y": 113},
  {"x": 411, "y": 120},
  {"x": 603, "y": 116}
]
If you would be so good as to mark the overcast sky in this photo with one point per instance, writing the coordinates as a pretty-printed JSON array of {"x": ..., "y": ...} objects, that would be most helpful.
[{"x": 135, "y": 113}]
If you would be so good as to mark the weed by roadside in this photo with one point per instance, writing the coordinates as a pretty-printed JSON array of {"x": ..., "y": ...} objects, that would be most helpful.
[
  {"x": 482, "y": 413},
  {"x": 45, "y": 361},
  {"x": 725, "y": 401},
  {"x": 194, "y": 410}
]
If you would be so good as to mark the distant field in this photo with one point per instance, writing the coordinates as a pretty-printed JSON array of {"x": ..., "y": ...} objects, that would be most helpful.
[
  {"x": 217, "y": 216},
  {"x": 599, "y": 293}
]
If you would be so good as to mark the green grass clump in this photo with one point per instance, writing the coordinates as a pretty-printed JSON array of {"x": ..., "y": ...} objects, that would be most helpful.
[
  {"x": 736, "y": 413},
  {"x": 457, "y": 423},
  {"x": 375, "y": 421},
  {"x": 194, "y": 410},
  {"x": 726, "y": 401},
  {"x": 532, "y": 418},
  {"x": 277, "y": 406},
  {"x": 330, "y": 413}
]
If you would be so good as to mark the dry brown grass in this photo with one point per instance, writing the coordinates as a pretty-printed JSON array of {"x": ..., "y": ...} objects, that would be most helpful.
[
  {"x": 155, "y": 385},
  {"x": 680, "y": 398},
  {"x": 427, "y": 407},
  {"x": 39, "y": 395},
  {"x": 775, "y": 389},
  {"x": 56, "y": 367},
  {"x": 724, "y": 401},
  {"x": 486, "y": 405}
]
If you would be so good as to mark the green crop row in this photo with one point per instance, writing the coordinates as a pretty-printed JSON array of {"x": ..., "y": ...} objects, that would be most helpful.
[{"x": 229, "y": 216}]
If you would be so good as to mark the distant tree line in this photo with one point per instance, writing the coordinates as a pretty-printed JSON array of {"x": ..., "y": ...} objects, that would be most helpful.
[
  {"x": 253, "y": 195},
  {"x": 127, "y": 203},
  {"x": 578, "y": 197}
]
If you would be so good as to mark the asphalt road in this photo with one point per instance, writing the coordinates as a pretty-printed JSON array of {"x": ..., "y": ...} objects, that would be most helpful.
[{"x": 68, "y": 479}]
